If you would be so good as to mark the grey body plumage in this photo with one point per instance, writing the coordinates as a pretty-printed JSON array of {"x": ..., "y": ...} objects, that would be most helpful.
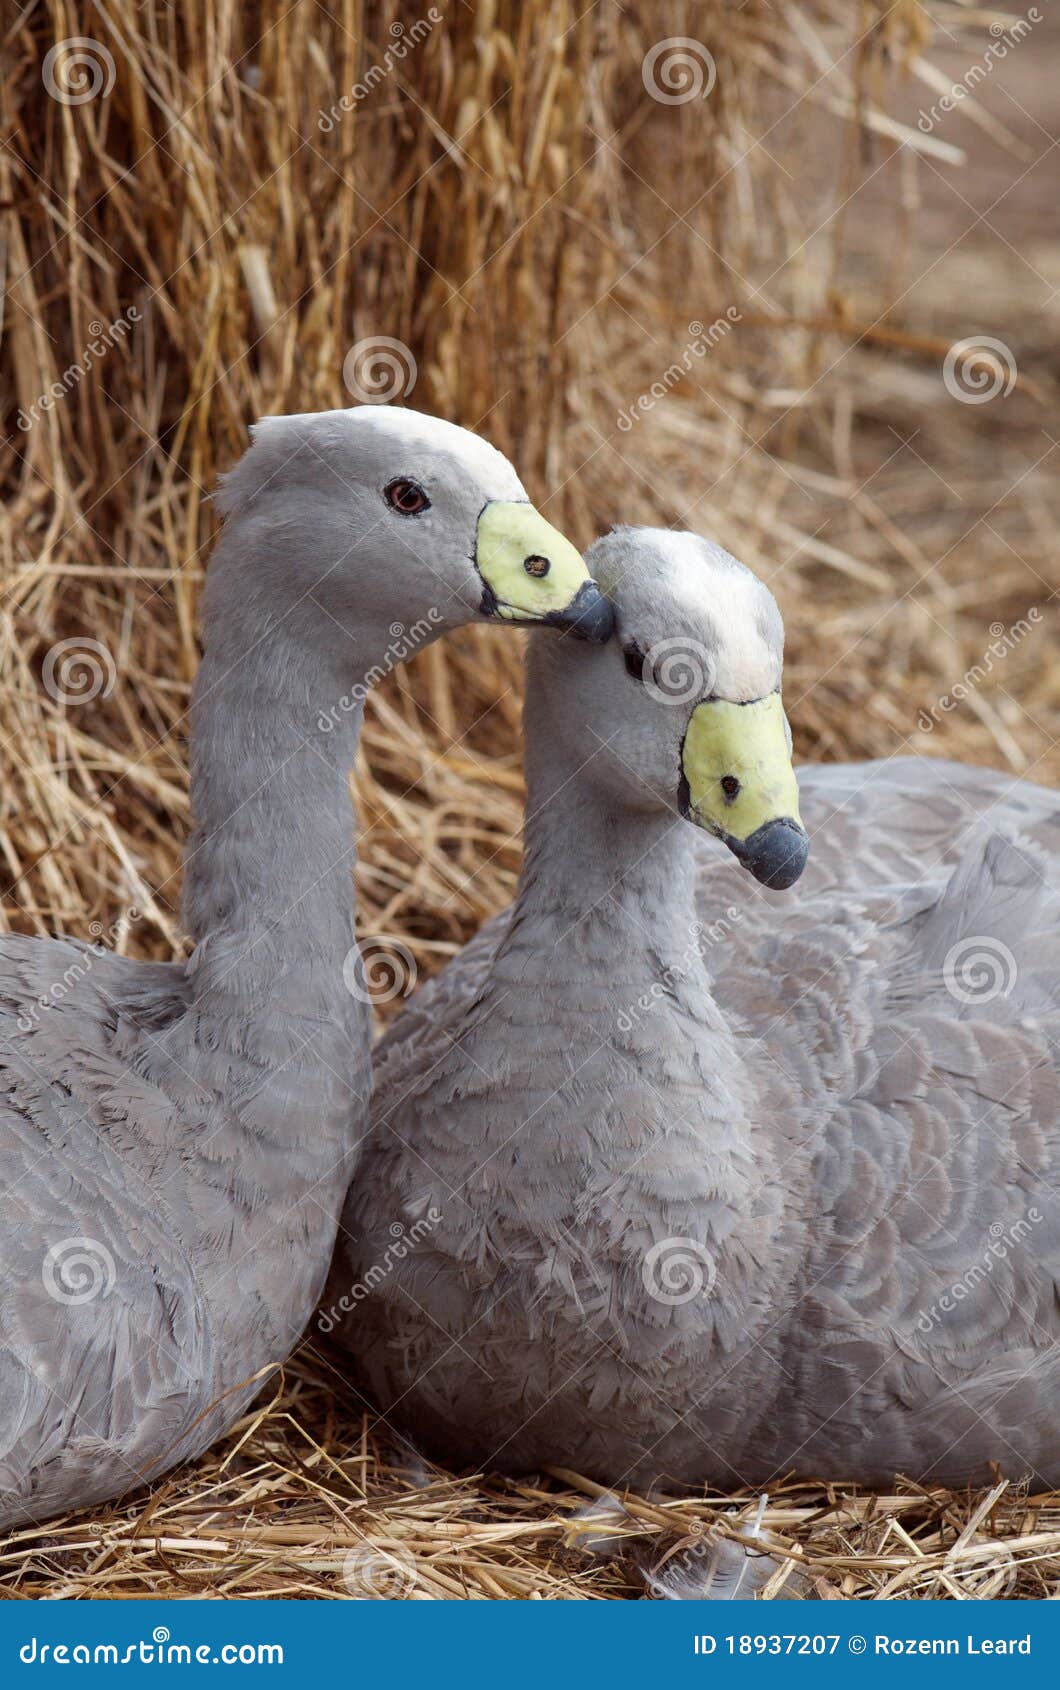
[
  {"x": 727, "y": 1182},
  {"x": 176, "y": 1140}
]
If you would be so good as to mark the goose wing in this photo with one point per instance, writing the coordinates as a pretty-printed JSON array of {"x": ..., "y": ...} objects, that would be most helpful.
[
  {"x": 101, "y": 1325},
  {"x": 906, "y": 1021}
]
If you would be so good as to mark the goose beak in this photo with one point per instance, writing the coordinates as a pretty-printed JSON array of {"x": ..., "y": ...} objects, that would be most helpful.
[
  {"x": 737, "y": 781},
  {"x": 531, "y": 574}
]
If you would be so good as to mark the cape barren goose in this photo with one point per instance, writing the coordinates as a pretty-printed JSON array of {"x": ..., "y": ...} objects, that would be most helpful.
[
  {"x": 706, "y": 1182},
  {"x": 176, "y": 1140}
]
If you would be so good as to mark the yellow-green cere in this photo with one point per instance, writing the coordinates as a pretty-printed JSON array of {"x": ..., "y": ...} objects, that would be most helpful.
[
  {"x": 746, "y": 744},
  {"x": 530, "y": 568}
]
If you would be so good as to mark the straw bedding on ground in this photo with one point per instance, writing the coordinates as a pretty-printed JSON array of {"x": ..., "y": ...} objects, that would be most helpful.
[
  {"x": 303, "y": 1499},
  {"x": 730, "y": 313}
]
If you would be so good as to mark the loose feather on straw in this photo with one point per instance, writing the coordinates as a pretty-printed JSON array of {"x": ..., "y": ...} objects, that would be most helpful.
[{"x": 711, "y": 1568}]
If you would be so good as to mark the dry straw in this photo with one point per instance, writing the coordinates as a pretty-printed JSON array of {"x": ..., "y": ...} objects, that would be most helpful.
[
  {"x": 302, "y": 1500},
  {"x": 198, "y": 231}
]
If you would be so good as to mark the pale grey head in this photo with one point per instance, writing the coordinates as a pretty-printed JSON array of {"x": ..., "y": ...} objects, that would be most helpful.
[
  {"x": 682, "y": 711},
  {"x": 345, "y": 512}
]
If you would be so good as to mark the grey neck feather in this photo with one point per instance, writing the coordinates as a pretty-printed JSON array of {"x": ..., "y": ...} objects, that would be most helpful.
[
  {"x": 607, "y": 930},
  {"x": 272, "y": 851},
  {"x": 269, "y": 897},
  {"x": 619, "y": 880},
  {"x": 623, "y": 879}
]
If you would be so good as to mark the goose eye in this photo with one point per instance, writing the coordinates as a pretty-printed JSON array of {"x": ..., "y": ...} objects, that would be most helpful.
[
  {"x": 406, "y": 497},
  {"x": 633, "y": 658},
  {"x": 730, "y": 786}
]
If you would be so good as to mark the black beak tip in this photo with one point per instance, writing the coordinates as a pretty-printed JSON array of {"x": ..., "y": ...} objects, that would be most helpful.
[
  {"x": 589, "y": 616},
  {"x": 776, "y": 853}
]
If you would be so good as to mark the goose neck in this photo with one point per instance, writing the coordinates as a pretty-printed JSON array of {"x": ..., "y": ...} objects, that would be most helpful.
[
  {"x": 624, "y": 879},
  {"x": 269, "y": 898}
]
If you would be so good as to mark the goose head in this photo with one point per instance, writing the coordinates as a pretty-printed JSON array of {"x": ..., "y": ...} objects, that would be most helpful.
[
  {"x": 683, "y": 710},
  {"x": 379, "y": 513}
]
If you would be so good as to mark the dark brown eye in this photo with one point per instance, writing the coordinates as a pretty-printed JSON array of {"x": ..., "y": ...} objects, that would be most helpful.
[
  {"x": 536, "y": 566},
  {"x": 406, "y": 497},
  {"x": 730, "y": 786}
]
